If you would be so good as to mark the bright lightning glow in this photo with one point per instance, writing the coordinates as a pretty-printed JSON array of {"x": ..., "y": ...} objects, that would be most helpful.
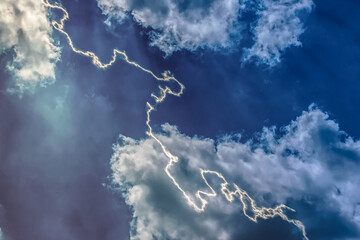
[{"x": 258, "y": 212}]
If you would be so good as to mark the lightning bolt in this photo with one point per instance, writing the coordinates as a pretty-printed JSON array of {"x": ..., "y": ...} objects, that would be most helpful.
[{"x": 238, "y": 193}]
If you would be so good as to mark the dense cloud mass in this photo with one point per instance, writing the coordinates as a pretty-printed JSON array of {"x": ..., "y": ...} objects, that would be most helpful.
[
  {"x": 25, "y": 29},
  {"x": 216, "y": 24},
  {"x": 304, "y": 163},
  {"x": 159, "y": 210},
  {"x": 54, "y": 152}
]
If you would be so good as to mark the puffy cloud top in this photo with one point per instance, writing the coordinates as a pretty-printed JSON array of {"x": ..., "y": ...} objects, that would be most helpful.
[
  {"x": 25, "y": 28},
  {"x": 181, "y": 24},
  {"x": 305, "y": 163}
]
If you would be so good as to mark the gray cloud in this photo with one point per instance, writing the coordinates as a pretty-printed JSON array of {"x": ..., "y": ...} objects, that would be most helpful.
[
  {"x": 25, "y": 29},
  {"x": 305, "y": 163},
  {"x": 159, "y": 210}
]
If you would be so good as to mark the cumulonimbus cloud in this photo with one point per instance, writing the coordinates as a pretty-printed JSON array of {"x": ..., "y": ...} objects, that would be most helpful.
[
  {"x": 304, "y": 163},
  {"x": 176, "y": 25},
  {"x": 25, "y": 28}
]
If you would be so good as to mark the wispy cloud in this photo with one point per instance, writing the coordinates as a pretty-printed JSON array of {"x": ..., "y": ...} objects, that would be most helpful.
[
  {"x": 305, "y": 162},
  {"x": 216, "y": 24},
  {"x": 181, "y": 25},
  {"x": 25, "y": 29},
  {"x": 278, "y": 27}
]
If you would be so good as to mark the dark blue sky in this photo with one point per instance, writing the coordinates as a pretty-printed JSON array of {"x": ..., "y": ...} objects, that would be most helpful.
[
  {"x": 237, "y": 97},
  {"x": 63, "y": 168}
]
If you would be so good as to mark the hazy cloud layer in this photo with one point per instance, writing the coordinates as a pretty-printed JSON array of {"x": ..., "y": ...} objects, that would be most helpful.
[
  {"x": 216, "y": 24},
  {"x": 25, "y": 29},
  {"x": 53, "y": 161},
  {"x": 304, "y": 163}
]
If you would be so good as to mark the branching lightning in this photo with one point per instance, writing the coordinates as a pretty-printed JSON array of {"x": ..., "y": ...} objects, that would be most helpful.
[{"x": 238, "y": 193}]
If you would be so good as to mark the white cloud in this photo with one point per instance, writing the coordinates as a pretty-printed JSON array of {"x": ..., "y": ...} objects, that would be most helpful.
[
  {"x": 25, "y": 28},
  {"x": 278, "y": 27},
  {"x": 312, "y": 160},
  {"x": 180, "y": 25},
  {"x": 159, "y": 210},
  {"x": 176, "y": 25}
]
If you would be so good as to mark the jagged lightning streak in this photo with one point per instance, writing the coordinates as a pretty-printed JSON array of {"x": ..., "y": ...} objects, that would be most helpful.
[{"x": 243, "y": 196}]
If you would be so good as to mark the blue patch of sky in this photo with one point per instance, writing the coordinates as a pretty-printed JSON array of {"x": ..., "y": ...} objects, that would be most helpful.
[{"x": 222, "y": 94}]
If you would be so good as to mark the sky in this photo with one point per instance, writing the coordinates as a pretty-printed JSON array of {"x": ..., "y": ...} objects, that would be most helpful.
[{"x": 270, "y": 103}]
